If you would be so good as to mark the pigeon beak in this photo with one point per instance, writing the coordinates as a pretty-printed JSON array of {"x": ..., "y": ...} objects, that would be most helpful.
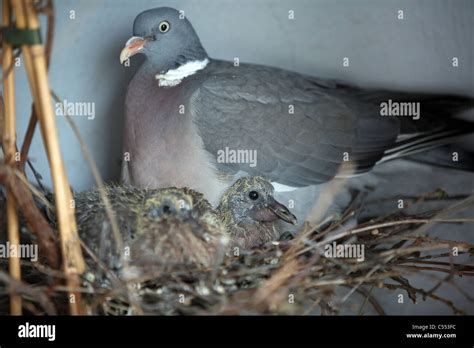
[
  {"x": 281, "y": 211},
  {"x": 134, "y": 45}
]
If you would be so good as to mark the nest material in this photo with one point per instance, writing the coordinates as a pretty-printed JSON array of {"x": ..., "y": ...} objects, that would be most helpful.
[
  {"x": 288, "y": 277},
  {"x": 295, "y": 277}
]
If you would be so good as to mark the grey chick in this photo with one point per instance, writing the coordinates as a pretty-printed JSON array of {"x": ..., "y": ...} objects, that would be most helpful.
[
  {"x": 249, "y": 212},
  {"x": 161, "y": 229}
]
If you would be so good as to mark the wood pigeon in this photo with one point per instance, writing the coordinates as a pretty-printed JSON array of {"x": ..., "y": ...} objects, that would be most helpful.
[{"x": 200, "y": 122}]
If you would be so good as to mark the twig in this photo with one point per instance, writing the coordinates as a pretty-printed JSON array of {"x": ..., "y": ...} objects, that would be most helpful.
[
  {"x": 98, "y": 179},
  {"x": 36, "y": 294},
  {"x": 49, "y": 10},
  {"x": 444, "y": 213},
  {"x": 368, "y": 297},
  {"x": 40, "y": 227},
  {"x": 9, "y": 146},
  {"x": 35, "y": 63}
]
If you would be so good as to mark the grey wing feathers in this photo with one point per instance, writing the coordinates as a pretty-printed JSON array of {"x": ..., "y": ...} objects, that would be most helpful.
[{"x": 301, "y": 127}]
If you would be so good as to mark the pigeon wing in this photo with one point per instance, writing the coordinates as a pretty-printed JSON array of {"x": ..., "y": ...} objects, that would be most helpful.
[{"x": 301, "y": 127}]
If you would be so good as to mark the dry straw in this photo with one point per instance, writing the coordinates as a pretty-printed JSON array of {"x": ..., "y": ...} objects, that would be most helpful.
[{"x": 26, "y": 17}]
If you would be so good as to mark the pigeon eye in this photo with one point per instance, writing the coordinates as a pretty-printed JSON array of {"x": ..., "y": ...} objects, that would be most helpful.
[
  {"x": 164, "y": 26},
  {"x": 253, "y": 195}
]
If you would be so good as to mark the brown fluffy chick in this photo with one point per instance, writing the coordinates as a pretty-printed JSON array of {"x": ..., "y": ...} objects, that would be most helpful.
[
  {"x": 249, "y": 211},
  {"x": 161, "y": 229}
]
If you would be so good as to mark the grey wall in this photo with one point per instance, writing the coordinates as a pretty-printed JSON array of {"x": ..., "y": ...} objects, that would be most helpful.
[{"x": 414, "y": 53}]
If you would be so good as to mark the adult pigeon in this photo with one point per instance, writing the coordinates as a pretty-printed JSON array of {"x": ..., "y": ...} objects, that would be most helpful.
[{"x": 195, "y": 121}]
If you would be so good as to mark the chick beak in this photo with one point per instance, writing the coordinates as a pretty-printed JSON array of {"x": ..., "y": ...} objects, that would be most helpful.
[
  {"x": 281, "y": 211},
  {"x": 134, "y": 45}
]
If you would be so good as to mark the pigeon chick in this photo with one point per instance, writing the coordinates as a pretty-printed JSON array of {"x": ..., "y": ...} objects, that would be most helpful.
[
  {"x": 161, "y": 229},
  {"x": 249, "y": 212}
]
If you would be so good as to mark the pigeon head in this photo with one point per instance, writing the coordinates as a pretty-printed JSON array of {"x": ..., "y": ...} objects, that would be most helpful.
[
  {"x": 178, "y": 230},
  {"x": 164, "y": 229},
  {"x": 252, "y": 197},
  {"x": 166, "y": 38},
  {"x": 167, "y": 203}
]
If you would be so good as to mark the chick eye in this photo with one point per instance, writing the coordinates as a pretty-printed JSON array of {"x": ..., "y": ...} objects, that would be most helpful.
[
  {"x": 166, "y": 209},
  {"x": 253, "y": 195},
  {"x": 164, "y": 26}
]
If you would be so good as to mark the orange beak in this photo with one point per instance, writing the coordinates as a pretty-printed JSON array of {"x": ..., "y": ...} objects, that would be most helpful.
[{"x": 134, "y": 45}]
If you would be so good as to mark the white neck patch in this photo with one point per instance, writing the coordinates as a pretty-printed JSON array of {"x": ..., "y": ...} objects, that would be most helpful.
[{"x": 174, "y": 77}]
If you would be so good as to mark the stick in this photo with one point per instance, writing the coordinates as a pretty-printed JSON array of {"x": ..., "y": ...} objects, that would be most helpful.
[
  {"x": 9, "y": 145},
  {"x": 49, "y": 9},
  {"x": 35, "y": 63},
  {"x": 36, "y": 294},
  {"x": 40, "y": 227}
]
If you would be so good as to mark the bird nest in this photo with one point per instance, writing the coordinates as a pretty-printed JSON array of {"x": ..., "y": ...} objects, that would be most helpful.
[{"x": 291, "y": 277}]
